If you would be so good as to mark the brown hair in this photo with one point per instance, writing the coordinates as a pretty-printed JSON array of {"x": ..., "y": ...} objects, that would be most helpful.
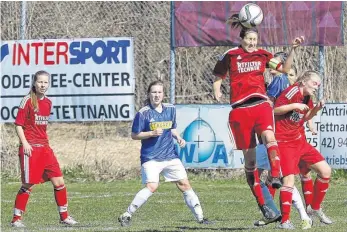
[
  {"x": 236, "y": 23},
  {"x": 158, "y": 82},
  {"x": 32, "y": 91}
]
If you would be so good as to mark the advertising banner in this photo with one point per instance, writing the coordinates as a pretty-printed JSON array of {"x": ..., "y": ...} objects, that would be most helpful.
[
  {"x": 203, "y": 23},
  {"x": 210, "y": 144},
  {"x": 91, "y": 79}
]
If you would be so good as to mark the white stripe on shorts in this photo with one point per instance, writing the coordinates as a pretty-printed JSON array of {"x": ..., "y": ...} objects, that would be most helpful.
[
  {"x": 231, "y": 136},
  {"x": 26, "y": 168}
]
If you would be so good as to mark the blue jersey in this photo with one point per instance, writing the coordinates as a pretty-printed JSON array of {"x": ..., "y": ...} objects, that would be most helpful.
[
  {"x": 156, "y": 148},
  {"x": 278, "y": 84}
]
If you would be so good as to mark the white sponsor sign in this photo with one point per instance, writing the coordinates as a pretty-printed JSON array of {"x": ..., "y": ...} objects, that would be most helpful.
[
  {"x": 205, "y": 128},
  {"x": 91, "y": 79},
  {"x": 332, "y": 129}
]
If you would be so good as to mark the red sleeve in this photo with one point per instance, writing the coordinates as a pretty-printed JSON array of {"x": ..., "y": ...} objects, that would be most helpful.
[
  {"x": 22, "y": 111},
  {"x": 282, "y": 100},
  {"x": 222, "y": 67}
]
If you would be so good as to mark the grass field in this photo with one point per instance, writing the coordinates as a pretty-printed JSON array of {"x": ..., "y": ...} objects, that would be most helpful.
[{"x": 97, "y": 205}]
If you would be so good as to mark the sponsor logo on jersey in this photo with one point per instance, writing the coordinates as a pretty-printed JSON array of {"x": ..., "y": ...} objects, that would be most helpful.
[
  {"x": 41, "y": 120},
  {"x": 296, "y": 116},
  {"x": 248, "y": 66},
  {"x": 161, "y": 125}
]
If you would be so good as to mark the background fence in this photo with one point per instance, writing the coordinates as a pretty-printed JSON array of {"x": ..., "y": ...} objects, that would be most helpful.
[{"x": 149, "y": 24}]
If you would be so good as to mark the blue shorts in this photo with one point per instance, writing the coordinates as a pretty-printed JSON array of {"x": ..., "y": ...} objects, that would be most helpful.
[{"x": 262, "y": 158}]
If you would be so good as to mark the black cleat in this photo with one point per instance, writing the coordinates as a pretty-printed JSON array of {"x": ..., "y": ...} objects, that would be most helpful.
[
  {"x": 264, "y": 222},
  {"x": 125, "y": 219},
  {"x": 205, "y": 221},
  {"x": 268, "y": 213},
  {"x": 276, "y": 182}
]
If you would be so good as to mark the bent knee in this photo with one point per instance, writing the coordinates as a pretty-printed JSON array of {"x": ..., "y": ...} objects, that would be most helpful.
[
  {"x": 27, "y": 187},
  {"x": 183, "y": 185},
  {"x": 152, "y": 187},
  {"x": 325, "y": 172}
]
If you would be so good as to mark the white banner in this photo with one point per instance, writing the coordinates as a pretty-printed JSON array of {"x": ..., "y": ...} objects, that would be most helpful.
[
  {"x": 333, "y": 134},
  {"x": 205, "y": 128},
  {"x": 91, "y": 79}
]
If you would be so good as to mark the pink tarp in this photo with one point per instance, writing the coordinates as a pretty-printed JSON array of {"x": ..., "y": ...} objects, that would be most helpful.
[{"x": 203, "y": 23}]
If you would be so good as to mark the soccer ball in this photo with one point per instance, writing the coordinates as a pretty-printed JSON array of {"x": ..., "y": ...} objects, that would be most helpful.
[{"x": 250, "y": 15}]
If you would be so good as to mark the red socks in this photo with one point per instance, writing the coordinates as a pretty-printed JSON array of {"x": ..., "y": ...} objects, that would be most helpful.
[
  {"x": 286, "y": 195},
  {"x": 254, "y": 183},
  {"x": 321, "y": 186},
  {"x": 60, "y": 195},
  {"x": 307, "y": 189},
  {"x": 20, "y": 203},
  {"x": 274, "y": 158}
]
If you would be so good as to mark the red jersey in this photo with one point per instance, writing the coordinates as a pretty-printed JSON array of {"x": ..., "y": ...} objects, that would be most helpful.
[
  {"x": 289, "y": 126},
  {"x": 34, "y": 123},
  {"x": 246, "y": 73}
]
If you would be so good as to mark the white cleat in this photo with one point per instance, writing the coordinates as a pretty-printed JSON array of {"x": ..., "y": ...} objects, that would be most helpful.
[
  {"x": 18, "y": 224},
  {"x": 287, "y": 225},
  {"x": 319, "y": 214},
  {"x": 69, "y": 221},
  {"x": 306, "y": 224}
]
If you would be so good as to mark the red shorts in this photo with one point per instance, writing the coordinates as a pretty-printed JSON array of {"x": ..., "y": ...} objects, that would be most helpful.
[
  {"x": 40, "y": 166},
  {"x": 298, "y": 152},
  {"x": 245, "y": 122}
]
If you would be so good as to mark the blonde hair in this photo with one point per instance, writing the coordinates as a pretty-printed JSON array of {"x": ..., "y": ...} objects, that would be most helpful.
[
  {"x": 32, "y": 91},
  {"x": 307, "y": 75}
]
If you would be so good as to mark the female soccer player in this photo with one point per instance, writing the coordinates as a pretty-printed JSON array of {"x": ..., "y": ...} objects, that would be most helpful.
[
  {"x": 292, "y": 109},
  {"x": 280, "y": 82},
  {"x": 38, "y": 162},
  {"x": 251, "y": 112},
  {"x": 155, "y": 125}
]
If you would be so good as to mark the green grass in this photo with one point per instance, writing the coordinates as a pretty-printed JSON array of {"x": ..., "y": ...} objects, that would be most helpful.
[{"x": 96, "y": 206}]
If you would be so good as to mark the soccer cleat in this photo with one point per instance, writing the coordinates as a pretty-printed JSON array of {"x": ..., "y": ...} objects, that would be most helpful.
[
  {"x": 319, "y": 214},
  {"x": 205, "y": 221},
  {"x": 276, "y": 182},
  {"x": 125, "y": 219},
  {"x": 69, "y": 221},
  {"x": 264, "y": 222},
  {"x": 306, "y": 224},
  {"x": 18, "y": 224},
  {"x": 268, "y": 213},
  {"x": 287, "y": 225}
]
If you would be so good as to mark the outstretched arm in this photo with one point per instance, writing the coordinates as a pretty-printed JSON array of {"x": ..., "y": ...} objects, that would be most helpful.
[{"x": 285, "y": 68}]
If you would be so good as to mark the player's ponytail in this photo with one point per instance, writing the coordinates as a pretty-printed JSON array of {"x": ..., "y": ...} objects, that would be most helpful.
[
  {"x": 158, "y": 82},
  {"x": 235, "y": 22},
  {"x": 32, "y": 92}
]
